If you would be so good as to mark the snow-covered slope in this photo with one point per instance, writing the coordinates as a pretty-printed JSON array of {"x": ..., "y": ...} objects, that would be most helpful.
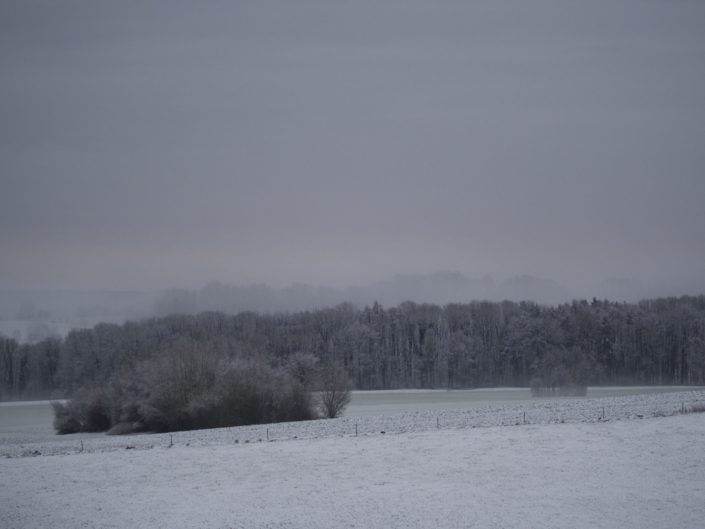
[
  {"x": 642, "y": 466},
  {"x": 629, "y": 474},
  {"x": 18, "y": 442}
]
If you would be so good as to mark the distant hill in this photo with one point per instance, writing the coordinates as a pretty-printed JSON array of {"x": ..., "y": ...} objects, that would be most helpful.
[
  {"x": 30, "y": 315},
  {"x": 439, "y": 288}
]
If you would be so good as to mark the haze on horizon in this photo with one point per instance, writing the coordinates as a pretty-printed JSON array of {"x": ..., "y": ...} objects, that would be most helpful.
[{"x": 153, "y": 145}]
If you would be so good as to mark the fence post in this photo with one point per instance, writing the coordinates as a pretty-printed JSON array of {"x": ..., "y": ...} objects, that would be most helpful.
[
  {"x": 438, "y": 422},
  {"x": 355, "y": 429},
  {"x": 603, "y": 413},
  {"x": 81, "y": 445},
  {"x": 524, "y": 417}
]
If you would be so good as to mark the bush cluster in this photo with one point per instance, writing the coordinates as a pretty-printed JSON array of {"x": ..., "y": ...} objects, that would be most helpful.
[
  {"x": 189, "y": 387},
  {"x": 86, "y": 412}
]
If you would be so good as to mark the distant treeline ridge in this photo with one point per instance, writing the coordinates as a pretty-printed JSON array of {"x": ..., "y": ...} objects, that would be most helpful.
[{"x": 478, "y": 344}]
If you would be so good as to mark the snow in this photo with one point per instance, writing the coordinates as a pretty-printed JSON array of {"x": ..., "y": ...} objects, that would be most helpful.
[
  {"x": 38, "y": 437},
  {"x": 567, "y": 468},
  {"x": 390, "y": 402},
  {"x": 628, "y": 474}
]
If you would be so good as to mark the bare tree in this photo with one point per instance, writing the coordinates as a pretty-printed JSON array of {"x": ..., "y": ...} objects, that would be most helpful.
[{"x": 335, "y": 393}]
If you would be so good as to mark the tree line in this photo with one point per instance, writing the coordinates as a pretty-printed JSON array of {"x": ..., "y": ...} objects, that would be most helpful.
[{"x": 478, "y": 344}]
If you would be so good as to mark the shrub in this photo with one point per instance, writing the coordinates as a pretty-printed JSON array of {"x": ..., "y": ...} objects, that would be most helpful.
[
  {"x": 64, "y": 421},
  {"x": 335, "y": 392},
  {"x": 188, "y": 388},
  {"x": 88, "y": 411},
  {"x": 250, "y": 392}
]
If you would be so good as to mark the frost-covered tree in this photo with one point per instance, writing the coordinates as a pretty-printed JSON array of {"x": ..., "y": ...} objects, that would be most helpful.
[{"x": 335, "y": 391}]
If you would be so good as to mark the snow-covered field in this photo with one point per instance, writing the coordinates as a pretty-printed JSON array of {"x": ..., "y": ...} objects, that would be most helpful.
[
  {"x": 567, "y": 467},
  {"x": 388, "y": 402},
  {"x": 38, "y": 436}
]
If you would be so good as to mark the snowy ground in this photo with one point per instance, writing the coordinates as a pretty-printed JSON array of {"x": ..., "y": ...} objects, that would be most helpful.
[
  {"x": 389, "y": 402},
  {"x": 642, "y": 474},
  {"x": 37, "y": 436},
  {"x": 543, "y": 463}
]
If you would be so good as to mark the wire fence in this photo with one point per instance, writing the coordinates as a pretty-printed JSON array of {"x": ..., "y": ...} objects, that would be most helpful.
[{"x": 536, "y": 411}]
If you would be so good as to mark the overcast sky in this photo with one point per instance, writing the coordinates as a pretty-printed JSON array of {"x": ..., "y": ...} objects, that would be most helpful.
[{"x": 145, "y": 145}]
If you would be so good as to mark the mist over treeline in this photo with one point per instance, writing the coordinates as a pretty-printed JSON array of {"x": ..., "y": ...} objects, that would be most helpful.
[
  {"x": 479, "y": 344},
  {"x": 32, "y": 315},
  {"x": 439, "y": 288}
]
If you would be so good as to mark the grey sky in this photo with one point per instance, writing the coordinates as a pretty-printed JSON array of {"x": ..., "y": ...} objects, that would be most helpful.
[{"x": 154, "y": 144}]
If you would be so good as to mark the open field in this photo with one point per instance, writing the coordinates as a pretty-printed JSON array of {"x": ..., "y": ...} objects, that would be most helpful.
[
  {"x": 630, "y": 474},
  {"x": 389, "y": 402},
  {"x": 642, "y": 466},
  {"x": 23, "y": 433}
]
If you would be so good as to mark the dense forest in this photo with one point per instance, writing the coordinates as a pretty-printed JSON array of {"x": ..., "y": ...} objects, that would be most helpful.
[{"x": 478, "y": 344}]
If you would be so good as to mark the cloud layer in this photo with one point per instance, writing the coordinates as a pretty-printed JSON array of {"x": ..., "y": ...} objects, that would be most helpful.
[{"x": 147, "y": 146}]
